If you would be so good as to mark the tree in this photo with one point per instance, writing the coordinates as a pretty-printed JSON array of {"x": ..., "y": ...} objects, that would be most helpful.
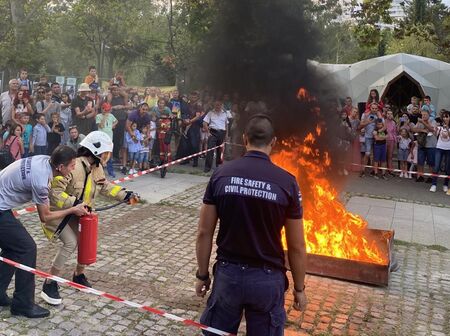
[
  {"x": 24, "y": 25},
  {"x": 425, "y": 29},
  {"x": 370, "y": 18}
]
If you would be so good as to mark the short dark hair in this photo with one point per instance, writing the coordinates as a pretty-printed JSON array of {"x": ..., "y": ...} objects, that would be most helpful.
[
  {"x": 427, "y": 97},
  {"x": 62, "y": 155},
  {"x": 259, "y": 130},
  {"x": 54, "y": 84},
  {"x": 92, "y": 67},
  {"x": 38, "y": 116}
]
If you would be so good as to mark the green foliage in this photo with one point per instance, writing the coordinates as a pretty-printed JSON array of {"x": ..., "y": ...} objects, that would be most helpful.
[
  {"x": 369, "y": 18},
  {"x": 24, "y": 24},
  {"x": 425, "y": 29}
]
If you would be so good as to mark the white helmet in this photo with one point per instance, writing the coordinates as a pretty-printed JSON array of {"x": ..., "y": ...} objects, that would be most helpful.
[{"x": 97, "y": 142}]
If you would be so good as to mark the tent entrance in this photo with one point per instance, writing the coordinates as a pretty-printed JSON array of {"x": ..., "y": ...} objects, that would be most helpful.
[{"x": 400, "y": 90}]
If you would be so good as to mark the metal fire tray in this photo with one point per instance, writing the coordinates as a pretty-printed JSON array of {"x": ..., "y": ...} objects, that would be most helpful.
[{"x": 358, "y": 271}]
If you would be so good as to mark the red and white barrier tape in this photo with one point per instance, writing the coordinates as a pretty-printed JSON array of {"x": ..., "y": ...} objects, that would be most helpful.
[
  {"x": 33, "y": 208},
  {"x": 88, "y": 290},
  {"x": 381, "y": 168},
  {"x": 399, "y": 171}
]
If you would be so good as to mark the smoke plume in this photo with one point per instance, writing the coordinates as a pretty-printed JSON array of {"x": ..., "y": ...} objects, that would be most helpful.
[{"x": 260, "y": 50}]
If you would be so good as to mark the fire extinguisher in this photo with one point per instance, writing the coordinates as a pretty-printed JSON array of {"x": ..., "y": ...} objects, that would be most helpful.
[{"x": 87, "y": 239}]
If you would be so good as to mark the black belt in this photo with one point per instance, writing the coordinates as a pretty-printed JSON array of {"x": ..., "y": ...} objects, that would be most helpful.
[
  {"x": 216, "y": 130},
  {"x": 254, "y": 264}
]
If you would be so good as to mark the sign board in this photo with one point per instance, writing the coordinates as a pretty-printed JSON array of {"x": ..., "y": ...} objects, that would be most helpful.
[
  {"x": 72, "y": 81},
  {"x": 59, "y": 80}
]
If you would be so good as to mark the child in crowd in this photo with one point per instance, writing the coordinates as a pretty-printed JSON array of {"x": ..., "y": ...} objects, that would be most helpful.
[
  {"x": 14, "y": 141},
  {"x": 404, "y": 146},
  {"x": 151, "y": 135},
  {"x": 65, "y": 115},
  {"x": 391, "y": 140},
  {"x": 379, "y": 148},
  {"x": 55, "y": 136},
  {"x": 26, "y": 134},
  {"x": 106, "y": 122},
  {"x": 143, "y": 153},
  {"x": 38, "y": 145},
  {"x": 134, "y": 146},
  {"x": 412, "y": 158}
]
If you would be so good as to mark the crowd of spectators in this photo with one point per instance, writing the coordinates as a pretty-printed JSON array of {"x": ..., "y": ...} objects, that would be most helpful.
[
  {"x": 153, "y": 127},
  {"x": 146, "y": 129},
  {"x": 417, "y": 136}
]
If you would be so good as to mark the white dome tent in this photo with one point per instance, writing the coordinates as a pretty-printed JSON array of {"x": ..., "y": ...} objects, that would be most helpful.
[{"x": 397, "y": 77}]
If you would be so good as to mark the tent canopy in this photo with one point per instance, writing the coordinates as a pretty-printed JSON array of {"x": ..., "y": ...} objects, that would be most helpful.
[{"x": 394, "y": 76}]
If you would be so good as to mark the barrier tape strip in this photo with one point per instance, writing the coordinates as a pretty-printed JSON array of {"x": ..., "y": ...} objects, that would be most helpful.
[
  {"x": 399, "y": 171},
  {"x": 88, "y": 290},
  {"x": 381, "y": 168},
  {"x": 33, "y": 208}
]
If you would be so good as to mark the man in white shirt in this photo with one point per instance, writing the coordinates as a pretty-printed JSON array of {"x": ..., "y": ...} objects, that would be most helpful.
[
  {"x": 23, "y": 181},
  {"x": 7, "y": 99},
  {"x": 215, "y": 124}
]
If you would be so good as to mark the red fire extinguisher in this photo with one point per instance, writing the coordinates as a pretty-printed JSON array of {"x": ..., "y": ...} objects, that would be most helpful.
[{"x": 87, "y": 239}]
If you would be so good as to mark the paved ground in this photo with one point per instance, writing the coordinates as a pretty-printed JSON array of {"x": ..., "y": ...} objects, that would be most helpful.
[
  {"x": 146, "y": 254},
  {"x": 416, "y": 223}
]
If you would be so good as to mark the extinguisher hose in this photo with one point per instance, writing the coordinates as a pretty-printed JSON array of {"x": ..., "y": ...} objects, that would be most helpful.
[{"x": 107, "y": 207}]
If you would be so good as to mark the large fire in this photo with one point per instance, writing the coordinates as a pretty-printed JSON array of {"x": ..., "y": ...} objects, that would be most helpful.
[{"x": 330, "y": 230}]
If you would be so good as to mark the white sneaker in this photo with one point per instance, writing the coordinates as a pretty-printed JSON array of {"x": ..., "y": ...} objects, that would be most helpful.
[
  {"x": 131, "y": 171},
  {"x": 345, "y": 172},
  {"x": 402, "y": 175},
  {"x": 410, "y": 176},
  {"x": 433, "y": 188},
  {"x": 445, "y": 189}
]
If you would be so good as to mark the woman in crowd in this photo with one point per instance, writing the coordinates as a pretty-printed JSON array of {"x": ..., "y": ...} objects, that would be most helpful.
[
  {"x": 21, "y": 104},
  {"x": 374, "y": 97},
  {"x": 14, "y": 141},
  {"x": 442, "y": 153}
]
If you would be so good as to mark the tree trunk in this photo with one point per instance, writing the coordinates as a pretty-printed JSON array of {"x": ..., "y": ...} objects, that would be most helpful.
[{"x": 18, "y": 21}]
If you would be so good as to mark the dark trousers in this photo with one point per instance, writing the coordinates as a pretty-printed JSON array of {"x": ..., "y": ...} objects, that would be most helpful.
[
  {"x": 40, "y": 150},
  {"x": 17, "y": 244},
  {"x": 215, "y": 139},
  {"x": 258, "y": 292}
]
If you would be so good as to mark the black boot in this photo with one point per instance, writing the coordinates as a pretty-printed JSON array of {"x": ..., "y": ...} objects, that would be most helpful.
[
  {"x": 5, "y": 301},
  {"x": 35, "y": 311}
]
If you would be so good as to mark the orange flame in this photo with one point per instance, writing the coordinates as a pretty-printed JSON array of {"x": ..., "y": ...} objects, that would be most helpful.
[{"x": 330, "y": 230}]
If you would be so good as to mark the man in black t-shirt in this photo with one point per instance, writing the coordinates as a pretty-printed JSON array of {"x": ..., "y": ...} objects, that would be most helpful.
[{"x": 254, "y": 199}]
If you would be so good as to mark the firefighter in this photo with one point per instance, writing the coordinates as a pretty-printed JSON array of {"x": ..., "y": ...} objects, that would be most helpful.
[{"x": 84, "y": 183}]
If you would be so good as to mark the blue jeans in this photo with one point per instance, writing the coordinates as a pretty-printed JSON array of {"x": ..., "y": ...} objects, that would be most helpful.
[
  {"x": 425, "y": 154},
  {"x": 26, "y": 152},
  {"x": 258, "y": 292},
  {"x": 441, "y": 154},
  {"x": 109, "y": 167}
]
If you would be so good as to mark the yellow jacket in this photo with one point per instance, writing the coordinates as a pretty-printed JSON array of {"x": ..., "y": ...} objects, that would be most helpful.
[{"x": 66, "y": 190}]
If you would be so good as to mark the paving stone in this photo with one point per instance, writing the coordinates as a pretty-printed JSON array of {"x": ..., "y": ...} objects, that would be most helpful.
[{"x": 148, "y": 256}]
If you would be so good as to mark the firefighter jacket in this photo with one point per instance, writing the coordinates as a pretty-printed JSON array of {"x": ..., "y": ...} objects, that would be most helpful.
[{"x": 65, "y": 190}]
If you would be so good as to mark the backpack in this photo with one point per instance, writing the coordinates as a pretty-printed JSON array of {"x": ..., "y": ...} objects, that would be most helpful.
[{"x": 6, "y": 158}]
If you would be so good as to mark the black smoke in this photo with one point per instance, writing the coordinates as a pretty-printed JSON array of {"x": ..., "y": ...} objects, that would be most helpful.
[{"x": 260, "y": 49}]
